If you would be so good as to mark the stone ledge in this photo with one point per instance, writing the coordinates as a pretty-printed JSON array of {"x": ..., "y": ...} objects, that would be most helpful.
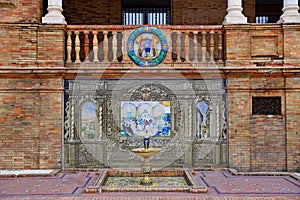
[
  {"x": 291, "y": 174},
  {"x": 28, "y": 173}
]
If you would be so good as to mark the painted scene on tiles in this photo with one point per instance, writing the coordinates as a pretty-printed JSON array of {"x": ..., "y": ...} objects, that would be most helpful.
[
  {"x": 141, "y": 118},
  {"x": 88, "y": 121}
]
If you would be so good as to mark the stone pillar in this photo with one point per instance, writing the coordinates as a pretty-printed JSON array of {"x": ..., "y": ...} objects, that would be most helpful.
[
  {"x": 290, "y": 12},
  {"x": 234, "y": 13},
  {"x": 54, "y": 15}
]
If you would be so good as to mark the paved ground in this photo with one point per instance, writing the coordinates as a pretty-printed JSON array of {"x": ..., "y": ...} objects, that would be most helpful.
[{"x": 221, "y": 185}]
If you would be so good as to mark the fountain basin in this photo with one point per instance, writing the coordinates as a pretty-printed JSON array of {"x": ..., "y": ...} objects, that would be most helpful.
[
  {"x": 168, "y": 180},
  {"x": 146, "y": 152}
]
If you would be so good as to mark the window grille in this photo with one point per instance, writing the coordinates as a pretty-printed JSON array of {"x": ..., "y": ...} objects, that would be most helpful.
[
  {"x": 152, "y": 16},
  {"x": 266, "y": 105},
  {"x": 266, "y": 19}
]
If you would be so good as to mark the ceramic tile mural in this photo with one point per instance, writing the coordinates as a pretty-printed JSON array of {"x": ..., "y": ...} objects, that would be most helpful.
[
  {"x": 141, "y": 118},
  {"x": 156, "y": 181},
  {"x": 88, "y": 121}
]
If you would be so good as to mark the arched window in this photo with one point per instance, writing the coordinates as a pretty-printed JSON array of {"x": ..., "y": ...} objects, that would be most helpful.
[{"x": 156, "y": 12}]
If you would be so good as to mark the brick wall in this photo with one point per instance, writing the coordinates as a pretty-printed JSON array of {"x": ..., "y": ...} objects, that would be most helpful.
[
  {"x": 31, "y": 121},
  {"x": 291, "y": 45},
  {"x": 21, "y": 11},
  {"x": 19, "y": 45},
  {"x": 293, "y": 121},
  {"x": 188, "y": 12},
  {"x": 32, "y": 45},
  {"x": 261, "y": 142},
  {"x": 92, "y": 12},
  {"x": 31, "y": 95},
  {"x": 239, "y": 137},
  {"x": 191, "y": 12},
  {"x": 268, "y": 143},
  {"x": 51, "y": 46}
]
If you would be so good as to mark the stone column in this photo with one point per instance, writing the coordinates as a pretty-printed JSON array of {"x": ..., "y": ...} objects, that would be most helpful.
[
  {"x": 54, "y": 15},
  {"x": 234, "y": 13},
  {"x": 290, "y": 12}
]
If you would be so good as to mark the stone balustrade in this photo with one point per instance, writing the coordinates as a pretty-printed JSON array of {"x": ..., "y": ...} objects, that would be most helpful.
[{"x": 107, "y": 43}]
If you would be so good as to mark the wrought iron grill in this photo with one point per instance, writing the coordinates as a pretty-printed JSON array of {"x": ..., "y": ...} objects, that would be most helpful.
[{"x": 153, "y": 16}]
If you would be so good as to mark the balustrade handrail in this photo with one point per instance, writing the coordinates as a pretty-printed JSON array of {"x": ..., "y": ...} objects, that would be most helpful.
[
  {"x": 126, "y": 27},
  {"x": 107, "y": 43}
]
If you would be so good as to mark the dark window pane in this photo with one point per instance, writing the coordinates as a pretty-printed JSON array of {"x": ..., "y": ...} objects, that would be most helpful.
[{"x": 266, "y": 105}]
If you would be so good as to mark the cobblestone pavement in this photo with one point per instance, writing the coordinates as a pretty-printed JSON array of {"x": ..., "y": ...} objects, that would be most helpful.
[{"x": 220, "y": 184}]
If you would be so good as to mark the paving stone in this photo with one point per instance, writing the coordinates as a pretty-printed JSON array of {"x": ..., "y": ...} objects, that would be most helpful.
[{"x": 221, "y": 185}]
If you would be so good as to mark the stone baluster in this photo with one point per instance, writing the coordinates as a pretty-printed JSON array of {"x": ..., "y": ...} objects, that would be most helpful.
[
  {"x": 86, "y": 45},
  {"x": 69, "y": 46},
  {"x": 114, "y": 45},
  {"x": 173, "y": 44},
  {"x": 203, "y": 46},
  {"x": 124, "y": 45},
  {"x": 195, "y": 47},
  {"x": 77, "y": 47},
  {"x": 95, "y": 46},
  {"x": 211, "y": 45},
  {"x": 187, "y": 46},
  {"x": 105, "y": 46},
  {"x": 178, "y": 46},
  {"x": 220, "y": 46}
]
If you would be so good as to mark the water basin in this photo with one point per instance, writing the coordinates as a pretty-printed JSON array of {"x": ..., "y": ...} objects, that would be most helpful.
[{"x": 169, "y": 180}]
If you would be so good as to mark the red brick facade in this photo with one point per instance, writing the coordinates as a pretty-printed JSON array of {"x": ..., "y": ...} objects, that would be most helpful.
[
  {"x": 260, "y": 60},
  {"x": 187, "y": 12}
]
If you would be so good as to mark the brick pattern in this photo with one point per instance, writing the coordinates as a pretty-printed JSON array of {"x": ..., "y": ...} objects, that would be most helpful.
[
  {"x": 293, "y": 122},
  {"x": 291, "y": 42},
  {"x": 31, "y": 121},
  {"x": 92, "y": 12},
  {"x": 51, "y": 46},
  {"x": 32, "y": 45},
  {"x": 256, "y": 45},
  {"x": 238, "y": 123},
  {"x": 20, "y": 44},
  {"x": 268, "y": 144},
  {"x": 31, "y": 96},
  {"x": 187, "y": 12},
  {"x": 191, "y": 12},
  {"x": 22, "y": 11}
]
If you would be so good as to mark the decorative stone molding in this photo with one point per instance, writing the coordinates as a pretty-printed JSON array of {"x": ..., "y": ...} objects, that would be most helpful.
[
  {"x": 234, "y": 13},
  {"x": 290, "y": 12}
]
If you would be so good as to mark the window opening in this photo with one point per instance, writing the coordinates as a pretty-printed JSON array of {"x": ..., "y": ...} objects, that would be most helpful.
[
  {"x": 267, "y": 11},
  {"x": 266, "y": 105},
  {"x": 146, "y": 12}
]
